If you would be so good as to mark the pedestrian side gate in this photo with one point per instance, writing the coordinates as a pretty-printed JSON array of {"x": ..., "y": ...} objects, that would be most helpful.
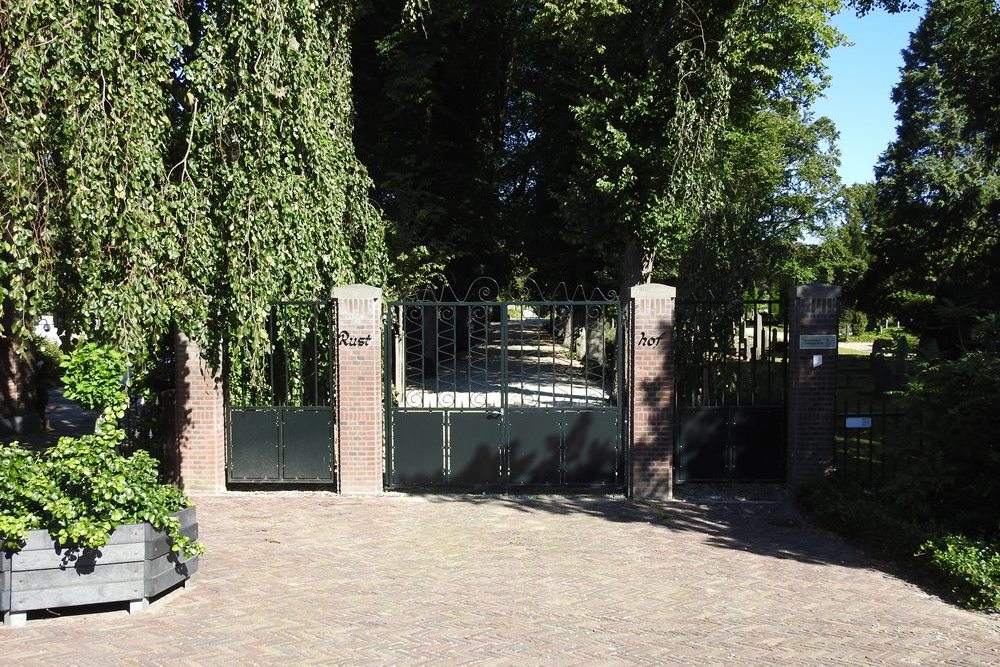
[
  {"x": 487, "y": 393},
  {"x": 281, "y": 413},
  {"x": 730, "y": 391}
]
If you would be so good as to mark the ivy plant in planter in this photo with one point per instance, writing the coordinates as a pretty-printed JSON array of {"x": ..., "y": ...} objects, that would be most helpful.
[{"x": 81, "y": 511}]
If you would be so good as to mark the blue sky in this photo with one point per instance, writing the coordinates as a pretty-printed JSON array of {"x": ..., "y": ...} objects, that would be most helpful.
[{"x": 858, "y": 99}]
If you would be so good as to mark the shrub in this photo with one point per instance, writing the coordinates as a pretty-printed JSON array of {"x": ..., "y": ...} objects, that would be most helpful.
[
  {"x": 94, "y": 376},
  {"x": 951, "y": 471},
  {"x": 83, "y": 488},
  {"x": 853, "y": 323},
  {"x": 971, "y": 566}
]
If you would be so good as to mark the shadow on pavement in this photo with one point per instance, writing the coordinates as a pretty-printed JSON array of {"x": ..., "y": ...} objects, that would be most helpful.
[{"x": 774, "y": 529}]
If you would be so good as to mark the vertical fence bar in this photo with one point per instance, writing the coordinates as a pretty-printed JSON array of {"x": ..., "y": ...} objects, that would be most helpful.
[
  {"x": 272, "y": 352},
  {"x": 586, "y": 355},
  {"x": 857, "y": 443}
]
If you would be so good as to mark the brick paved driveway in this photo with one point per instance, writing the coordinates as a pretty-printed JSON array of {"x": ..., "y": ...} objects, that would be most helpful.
[{"x": 311, "y": 578}]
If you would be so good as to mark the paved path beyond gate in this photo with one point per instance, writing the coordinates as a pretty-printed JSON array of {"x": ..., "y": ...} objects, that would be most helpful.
[{"x": 318, "y": 579}]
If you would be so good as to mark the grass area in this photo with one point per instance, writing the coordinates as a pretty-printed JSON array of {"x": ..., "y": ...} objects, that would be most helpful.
[
  {"x": 872, "y": 336},
  {"x": 854, "y": 379}
]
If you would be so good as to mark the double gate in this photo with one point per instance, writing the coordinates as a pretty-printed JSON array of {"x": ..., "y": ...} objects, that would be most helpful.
[
  {"x": 486, "y": 393},
  {"x": 730, "y": 368},
  {"x": 506, "y": 394},
  {"x": 281, "y": 410}
]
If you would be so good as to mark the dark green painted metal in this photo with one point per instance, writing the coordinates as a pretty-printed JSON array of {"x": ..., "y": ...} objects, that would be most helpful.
[
  {"x": 758, "y": 450},
  {"x": 473, "y": 449},
  {"x": 701, "y": 448},
  {"x": 534, "y": 439},
  {"x": 479, "y": 366},
  {"x": 421, "y": 462},
  {"x": 253, "y": 449},
  {"x": 306, "y": 438},
  {"x": 295, "y": 444},
  {"x": 591, "y": 444},
  {"x": 730, "y": 368},
  {"x": 717, "y": 444}
]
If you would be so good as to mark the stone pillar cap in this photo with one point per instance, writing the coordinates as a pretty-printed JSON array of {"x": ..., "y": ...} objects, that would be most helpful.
[
  {"x": 652, "y": 291},
  {"x": 816, "y": 291},
  {"x": 358, "y": 291}
]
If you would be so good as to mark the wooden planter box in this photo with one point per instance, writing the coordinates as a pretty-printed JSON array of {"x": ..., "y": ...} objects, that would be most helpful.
[{"x": 135, "y": 565}]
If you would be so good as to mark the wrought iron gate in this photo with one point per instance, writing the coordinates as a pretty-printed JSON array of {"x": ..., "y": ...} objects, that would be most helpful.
[
  {"x": 730, "y": 391},
  {"x": 281, "y": 414},
  {"x": 501, "y": 394}
]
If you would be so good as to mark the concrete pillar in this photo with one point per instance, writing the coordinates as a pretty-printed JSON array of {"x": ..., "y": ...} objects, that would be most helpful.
[
  {"x": 359, "y": 380},
  {"x": 651, "y": 382},
  {"x": 200, "y": 456},
  {"x": 812, "y": 380}
]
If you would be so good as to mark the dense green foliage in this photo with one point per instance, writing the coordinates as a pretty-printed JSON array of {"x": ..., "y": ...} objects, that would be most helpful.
[
  {"x": 936, "y": 234},
  {"x": 598, "y": 140},
  {"x": 82, "y": 488},
  {"x": 971, "y": 566},
  {"x": 842, "y": 256},
  {"x": 951, "y": 473},
  {"x": 85, "y": 198},
  {"x": 93, "y": 376},
  {"x": 171, "y": 162},
  {"x": 286, "y": 214}
]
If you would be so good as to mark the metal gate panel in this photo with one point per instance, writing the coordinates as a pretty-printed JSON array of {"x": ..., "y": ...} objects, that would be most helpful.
[
  {"x": 729, "y": 368},
  {"x": 307, "y": 434},
  {"x": 281, "y": 413},
  {"x": 474, "y": 449},
  {"x": 758, "y": 443},
  {"x": 509, "y": 381},
  {"x": 421, "y": 460},
  {"x": 702, "y": 442},
  {"x": 535, "y": 441},
  {"x": 591, "y": 447},
  {"x": 253, "y": 443}
]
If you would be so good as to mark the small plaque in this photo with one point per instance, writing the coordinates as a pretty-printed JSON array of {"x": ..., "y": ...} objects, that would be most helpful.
[
  {"x": 818, "y": 342},
  {"x": 859, "y": 422}
]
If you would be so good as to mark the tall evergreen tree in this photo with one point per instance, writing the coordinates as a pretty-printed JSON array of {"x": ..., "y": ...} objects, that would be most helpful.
[{"x": 936, "y": 242}]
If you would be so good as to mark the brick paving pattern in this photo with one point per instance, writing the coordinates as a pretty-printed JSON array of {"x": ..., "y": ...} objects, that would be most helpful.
[{"x": 310, "y": 578}]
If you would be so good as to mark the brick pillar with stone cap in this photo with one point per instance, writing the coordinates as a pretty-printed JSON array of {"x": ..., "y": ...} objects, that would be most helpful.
[
  {"x": 199, "y": 459},
  {"x": 814, "y": 311},
  {"x": 651, "y": 382},
  {"x": 359, "y": 381}
]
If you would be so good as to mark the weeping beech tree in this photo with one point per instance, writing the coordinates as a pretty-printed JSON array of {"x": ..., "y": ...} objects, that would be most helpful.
[{"x": 173, "y": 162}]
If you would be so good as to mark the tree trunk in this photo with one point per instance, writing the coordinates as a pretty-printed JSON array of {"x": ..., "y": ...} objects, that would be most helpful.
[
  {"x": 19, "y": 393},
  {"x": 637, "y": 264}
]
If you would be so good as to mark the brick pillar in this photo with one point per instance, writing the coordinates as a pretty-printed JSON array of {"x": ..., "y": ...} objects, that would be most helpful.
[
  {"x": 651, "y": 382},
  {"x": 359, "y": 379},
  {"x": 812, "y": 380},
  {"x": 200, "y": 456}
]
